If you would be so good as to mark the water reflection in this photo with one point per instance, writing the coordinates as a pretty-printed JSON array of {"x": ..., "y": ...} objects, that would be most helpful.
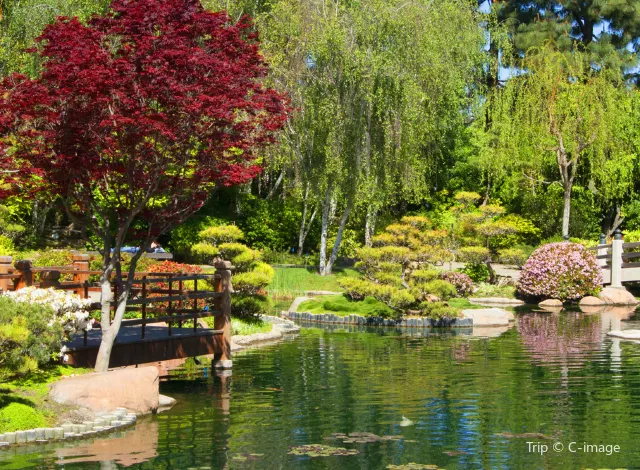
[
  {"x": 474, "y": 401},
  {"x": 126, "y": 448},
  {"x": 559, "y": 338}
]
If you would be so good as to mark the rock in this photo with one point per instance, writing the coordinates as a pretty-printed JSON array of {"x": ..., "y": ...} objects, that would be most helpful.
[
  {"x": 489, "y": 316},
  {"x": 554, "y": 303},
  {"x": 590, "y": 301},
  {"x": 625, "y": 334},
  {"x": 433, "y": 298},
  {"x": 133, "y": 389},
  {"x": 495, "y": 300},
  {"x": 614, "y": 296}
]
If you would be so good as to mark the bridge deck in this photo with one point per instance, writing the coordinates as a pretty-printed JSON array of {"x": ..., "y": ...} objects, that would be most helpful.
[{"x": 131, "y": 349}]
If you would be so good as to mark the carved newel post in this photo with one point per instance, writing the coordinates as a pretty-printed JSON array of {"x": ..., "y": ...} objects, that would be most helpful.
[{"x": 222, "y": 360}]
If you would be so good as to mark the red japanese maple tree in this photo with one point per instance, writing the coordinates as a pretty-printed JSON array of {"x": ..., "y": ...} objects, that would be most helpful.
[{"x": 137, "y": 116}]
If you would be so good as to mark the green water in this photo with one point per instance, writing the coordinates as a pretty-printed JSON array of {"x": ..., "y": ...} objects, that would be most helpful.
[{"x": 472, "y": 401}]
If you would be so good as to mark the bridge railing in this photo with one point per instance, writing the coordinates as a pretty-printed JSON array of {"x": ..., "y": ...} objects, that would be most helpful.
[
  {"x": 617, "y": 260},
  {"x": 171, "y": 298}
]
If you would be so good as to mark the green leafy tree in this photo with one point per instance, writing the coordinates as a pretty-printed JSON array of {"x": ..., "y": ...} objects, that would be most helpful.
[{"x": 563, "y": 113}]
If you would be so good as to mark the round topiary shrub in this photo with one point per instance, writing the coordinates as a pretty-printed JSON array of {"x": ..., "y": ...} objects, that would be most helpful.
[{"x": 565, "y": 271}]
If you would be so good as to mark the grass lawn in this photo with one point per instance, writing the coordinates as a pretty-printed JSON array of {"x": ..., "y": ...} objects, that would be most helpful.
[
  {"x": 463, "y": 304},
  {"x": 342, "y": 305},
  {"x": 289, "y": 283},
  {"x": 23, "y": 401},
  {"x": 245, "y": 326}
]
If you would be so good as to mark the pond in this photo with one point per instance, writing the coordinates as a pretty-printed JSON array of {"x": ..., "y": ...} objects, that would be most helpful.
[{"x": 551, "y": 392}]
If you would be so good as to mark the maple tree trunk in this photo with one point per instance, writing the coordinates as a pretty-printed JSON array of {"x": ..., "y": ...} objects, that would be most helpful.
[{"x": 109, "y": 336}]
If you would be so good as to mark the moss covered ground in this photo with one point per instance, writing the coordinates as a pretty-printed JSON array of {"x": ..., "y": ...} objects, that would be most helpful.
[{"x": 24, "y": 403}]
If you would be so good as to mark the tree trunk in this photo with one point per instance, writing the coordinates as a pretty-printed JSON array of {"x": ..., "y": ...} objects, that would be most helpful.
[
  {"x": 276, "y": 185},
  {"x": 324, "y": 232},
  {"x": 304, "y": 231},
  {"x": 370, "y": 226},
  {"x": 110, "y": 332},
  {"x": 109, "y": 336},
  {"x": 566, "y": 213},
  {"x": 336, "y": 245},
  {"x": 304, "y": 226}
]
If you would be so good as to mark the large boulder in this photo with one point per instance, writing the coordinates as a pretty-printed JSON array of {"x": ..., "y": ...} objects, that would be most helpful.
[
  {"x": 615, "y": 296},
  {"x": 137, "y": 390},
  {"x": 591, "y": 301}
]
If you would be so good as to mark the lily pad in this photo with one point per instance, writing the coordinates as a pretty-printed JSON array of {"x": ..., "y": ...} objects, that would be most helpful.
[
  {"x": 319, "y": 450},
  {"x": 245, "y": 456},
  {"x": 413, "y": 466},
  {"x": 537, "y": 435},
  {"x": 362, "y": 438}
]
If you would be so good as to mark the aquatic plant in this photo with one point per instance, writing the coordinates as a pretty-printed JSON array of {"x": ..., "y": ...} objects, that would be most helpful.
[{"x": 565, "y": 271}]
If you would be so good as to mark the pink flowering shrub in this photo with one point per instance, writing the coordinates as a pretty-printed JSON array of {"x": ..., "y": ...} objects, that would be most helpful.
[
  {"x": 565, "y": 271},
  {"x": 461, "y": 281}
]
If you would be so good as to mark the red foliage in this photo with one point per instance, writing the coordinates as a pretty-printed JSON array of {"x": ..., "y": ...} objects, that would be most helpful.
[
  {"x": 138, "y": 114},
  {"x": 173, "y": 267},
  {"x": 177, "y": 268}
]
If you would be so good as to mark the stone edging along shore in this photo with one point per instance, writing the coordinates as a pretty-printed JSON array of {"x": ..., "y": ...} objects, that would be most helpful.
[
  {"x": 481, "y": 317},
  {"x": 103, "y": 423},
  {"x": 353, "y": 319}
]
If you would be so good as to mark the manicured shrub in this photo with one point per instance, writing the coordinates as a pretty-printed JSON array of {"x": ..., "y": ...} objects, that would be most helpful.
[
  {"x": 204, "y": 252},
  {"x": 420, "y": 276},
  {"x": 474, "y": 254},
  {"x": 478, "y": 272},
  {"x": 439, "y": 311},
  {"x": 461, "y": 281},
  {"x": 565, "y": 271},
  {"x": 217, "y": 235},
  {"x": 515, "y": 256},
  {"x": 442, "y": 289},
  {"x": 249, "y": 305},
  {"x": 30, "y": 336}
]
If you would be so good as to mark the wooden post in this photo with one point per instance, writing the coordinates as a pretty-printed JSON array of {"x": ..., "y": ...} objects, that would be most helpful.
[
  {"x": 144, "y": 305},
  {"x": 222, "y": 360},
  {"x": 26, "y": 275},
  {"x": 170, "y": 309},
  {"x": 616, "y": 260},
  {"x": 195, "y": 305},
  {"x": 80, "y": 263},
  {"x": 50, "y": 279},
  {"x": 5, "y": 268}
]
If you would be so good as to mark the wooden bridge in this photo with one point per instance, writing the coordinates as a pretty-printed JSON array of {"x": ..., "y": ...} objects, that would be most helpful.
[
  {"x": 619, "y": 261},
  {"x": 170, "y": 307}
]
